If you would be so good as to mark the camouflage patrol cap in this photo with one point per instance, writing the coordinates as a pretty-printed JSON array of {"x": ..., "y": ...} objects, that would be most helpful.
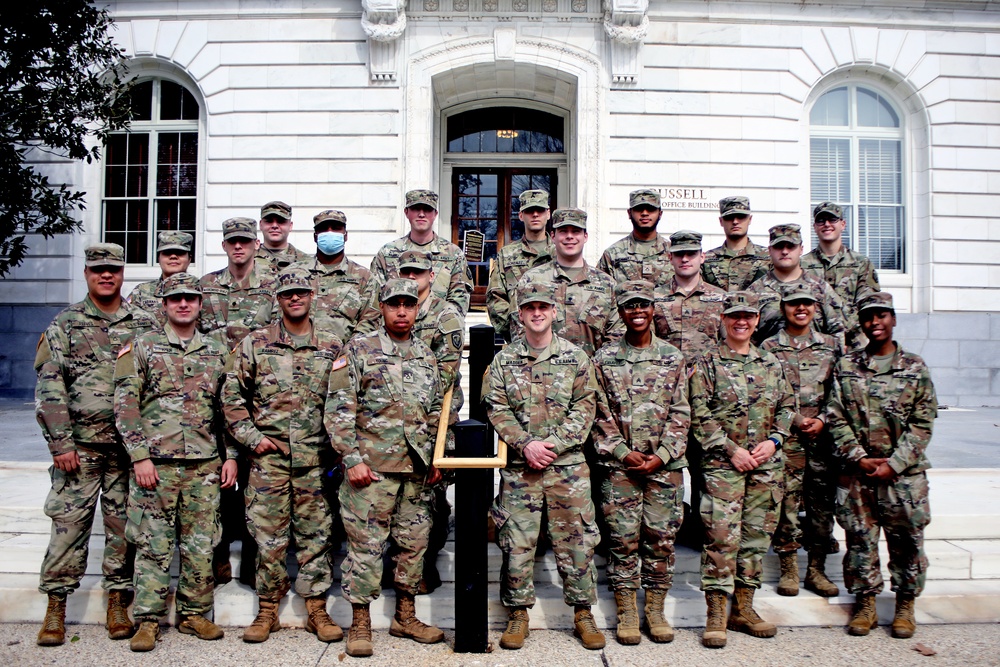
[
  {"x": 785, "y": 234},
  {"x": 399, "y": 287},
  {"x": 425, "y": 197},
  {"x": 740, "y": 302},
  {"x": 734, "y": 206},
  {"x": 876, "y": 301},
  {"x": 174, "y": 241},
  {"x": 414, "y": 259},
  {"x": 276, "y": 208},
  {"x": 644, "y": 197},
  {"x": 634, "y": 290},
  {"x": 685, "y": 239},
  {"x": 330, "y": 215},
  {"x": 533, "y": 199},
  {"x": 829, "y": 208},
  {"x": 239, "y": 228},
  {"x": 574, "y": 217},
  {"x": 536, "y": 292},
  {"x": 104, "y": 254},
  {"x": 180, "y": 283},
  {"x": 797, "y": 291},
  {"x": 294, "y": 279}
]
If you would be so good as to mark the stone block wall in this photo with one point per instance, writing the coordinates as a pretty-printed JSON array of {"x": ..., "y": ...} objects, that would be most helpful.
[{"x": 20, "y": 327}]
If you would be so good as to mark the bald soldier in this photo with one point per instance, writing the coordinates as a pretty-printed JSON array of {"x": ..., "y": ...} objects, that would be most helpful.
[
  {"x": 533, "y": 249},
  {"x": 643, "y": 254},
  {"x": 738, "y": 262},
  {"x": 173, "y": 254}
]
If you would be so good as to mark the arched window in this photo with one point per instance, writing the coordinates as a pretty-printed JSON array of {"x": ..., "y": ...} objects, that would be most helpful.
[
  {"x": 151, "y": 171},
  {"x": 856, "y": 149}
]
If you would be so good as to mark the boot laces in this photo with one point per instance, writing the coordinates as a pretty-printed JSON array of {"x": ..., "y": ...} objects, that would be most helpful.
[{"x": 516, "y": 623}]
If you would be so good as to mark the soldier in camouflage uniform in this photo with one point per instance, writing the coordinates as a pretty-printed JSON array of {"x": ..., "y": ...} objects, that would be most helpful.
[
  {"x": 585, "y": 312},
  {"x": 640, "y": 433},
  {"x": 166, "y": 407},
  {"x": 275, "y": 252},
  {"x": 738, "y": 262},
  {"x": 237, "y": 299},
  {"x": 338, "y": 282},
  {"x": 540, "y": 393},
  {"x": 74, "y": 406},
  {"x": 851, "y": 275},
  {"x": 383, "y": 409},
  {"x": 881, "y": 414},
  {"x": 643, "y": 254},
  {"x": 531, "y": 250},
  {"x": 173, "y": 253},
  {"x": 807, "y": 358},
  {"x": 741, "y": 412},
  {"x": 785, "y": 249},
  {"x": 453, "y": 280},
  {"x": 274, "y": 398}
]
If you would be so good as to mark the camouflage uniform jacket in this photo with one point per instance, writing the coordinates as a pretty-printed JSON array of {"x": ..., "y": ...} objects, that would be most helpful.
[
  {"x": 237, "y": 308},
  {"x": 872, "y": 414},
  {"x": 627, "y": 259},
  {"x": 552, "y": 398},
  {"x": 383, "y": 404},
  {"x": 277, "y": 390},
  {"x": 642, "y": 405},
  {"x": 586, "y": 314},
  {"x": 511, "y": 263},
  {"x": 75, "y": 362},
  {"x": 339, "y": 298},
  {"x": 690, "y": 322},
  {"x": 167, "y": 396},
  {"x": 452, "y": 281},
  {"x": 850, "y": 274},
  {"x": 145, "y": 296},
  {"x": 732, "y": 270},
  {"x": 738, "y": 401},
  {"x": 808, "y": 365},
  {"x": 276, "y": 260},
  {"x": 829, "y": 308}
]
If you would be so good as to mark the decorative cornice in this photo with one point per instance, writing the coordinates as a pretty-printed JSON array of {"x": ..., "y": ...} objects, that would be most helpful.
[{"x": 384, "y": 21}]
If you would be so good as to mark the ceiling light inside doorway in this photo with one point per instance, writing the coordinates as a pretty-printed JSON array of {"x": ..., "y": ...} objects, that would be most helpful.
[{"x": 506, "y": 134}]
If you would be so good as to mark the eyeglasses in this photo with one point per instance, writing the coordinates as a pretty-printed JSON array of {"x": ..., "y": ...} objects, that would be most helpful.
[
  {"x": 637, "y": 304},
  {"x": 292, "y": 293}
]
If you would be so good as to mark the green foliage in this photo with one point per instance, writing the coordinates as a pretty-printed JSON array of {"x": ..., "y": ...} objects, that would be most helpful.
[{"x": 62, "y": 80}]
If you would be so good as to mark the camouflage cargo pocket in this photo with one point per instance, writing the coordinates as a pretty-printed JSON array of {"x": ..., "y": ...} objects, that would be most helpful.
[
  {"x": 133, "y": 525},
  {"x": 501, "y": 517},
  {"x": 55, "y": 504}
]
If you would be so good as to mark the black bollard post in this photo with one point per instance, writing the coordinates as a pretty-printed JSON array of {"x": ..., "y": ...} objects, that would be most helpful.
[
  {"x": 473, "y": 495},
  {"x": 482, "y": 349}
]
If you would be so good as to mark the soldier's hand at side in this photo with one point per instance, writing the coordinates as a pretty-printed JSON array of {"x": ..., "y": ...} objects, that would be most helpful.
[
  {"x": 763, "y": 451},
  {"x": 870, "y": 465},
  {"x": 883, "y": 472},
  {"x": 145, "y": 474},
  {"x": 361, "y": 476},
  {"x": 67, "y": 462},
  {"x": 743, "y": 461},
  {"x": 434, "y": 476},
  {"x": 228, "y": 476},
  {"x": 650, "y": 464},
  {"x": 811, "y": 426},
  {"x": 539, "y": 454},
  {"x": 633, "y": 461},
  {"x": 265, "y": 446}
]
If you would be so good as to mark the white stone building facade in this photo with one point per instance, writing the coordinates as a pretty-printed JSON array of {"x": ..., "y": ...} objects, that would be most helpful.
[{"x": 892, "y": 108}]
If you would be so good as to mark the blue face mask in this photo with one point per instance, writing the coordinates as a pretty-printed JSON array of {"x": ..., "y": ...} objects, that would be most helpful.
[{"x": 330, "y": 243}]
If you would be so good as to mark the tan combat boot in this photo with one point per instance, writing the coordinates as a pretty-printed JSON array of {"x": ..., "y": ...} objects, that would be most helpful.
[
  {"x": 119, "y": 625},
  {"x": 788, "y": 584},
  {"x": 865, "y": 617},
  {"x": 743, "y": 617},
  {"x": 359, "y": 635},
  {"x": 53, "y": 632},
  {"x": 406, "y": 624},
  {"x": 904, "y": 624},
  {"x": 657, "y": 624},
  {"x": 319, "y": 622},
  {"x": 585, "y": 628},
  {"x": 715, "y": 620},
  {"x": 816, "y": 579},
  {"x": 628, "y": 617},
  {"x": 145, "y": 638},
  {"x": 265, "y": 623},
  {"x": 517, "y": 629},
  {"x": 200, "y": 627}
]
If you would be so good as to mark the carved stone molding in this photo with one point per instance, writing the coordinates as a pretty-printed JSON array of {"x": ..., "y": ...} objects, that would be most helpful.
[
  {"x": 384, "y": 21},
  {"x": 626, "y": 24}
]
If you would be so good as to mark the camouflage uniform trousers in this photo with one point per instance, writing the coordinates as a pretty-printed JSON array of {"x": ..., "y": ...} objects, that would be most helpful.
[
  {"x": 900, "y": 508},
  {"x": 285, "y": 502},
  {"x": 819, "y": 490},
  {"x": 183, "y": 508},
  {"x": 71, "y": 504},
  {"x": 564, "y": 493},
  {"x": 643, "y": 513},
  {"x": 397, "y": 505},
  {"x": 788, "y": 534},
  {"x": 740, "y": 512}
]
